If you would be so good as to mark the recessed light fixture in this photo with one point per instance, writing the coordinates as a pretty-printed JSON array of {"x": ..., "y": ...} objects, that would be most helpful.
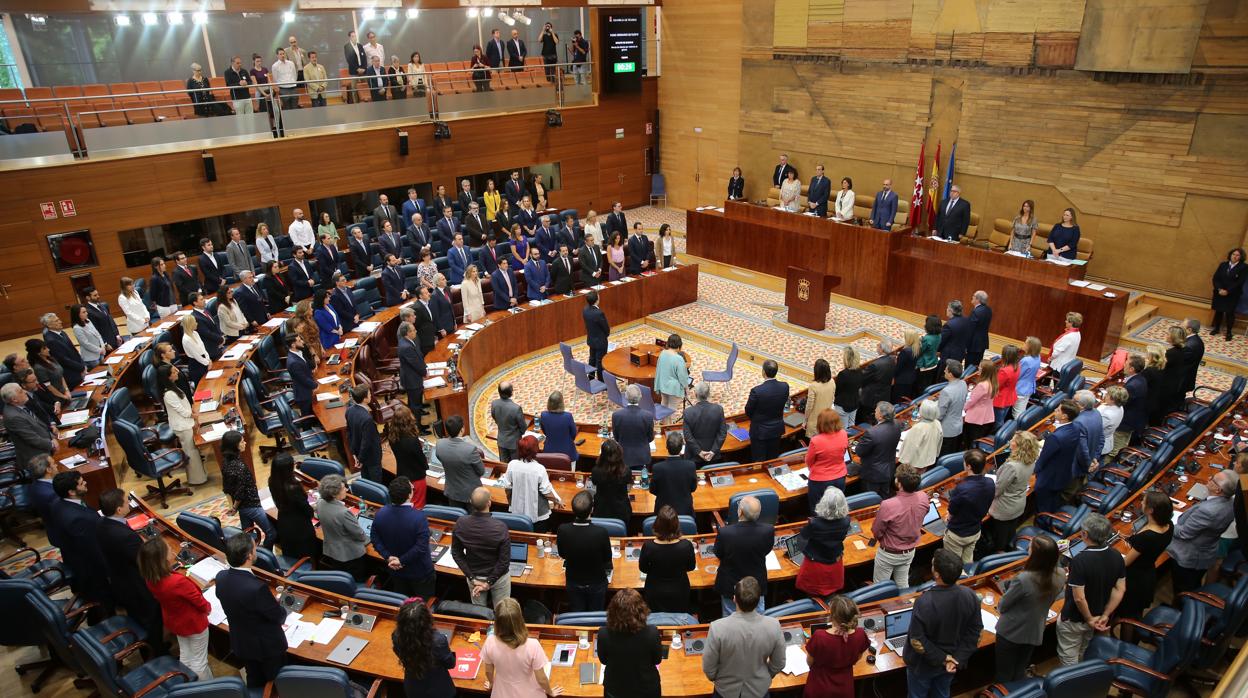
[
  {"x": 174, "y": 18},
  {"x": 369, "y": 13},
  {"x": 199, "y": 17},
  {"x": 122, "y": 20},
  {"x": 412, "y": 13},
  {"x": 150, "y": 19},
  {"x": 288, "y": 17},
  {"x": 473, "y": 12},
  {"x": 391, "y": 14}
]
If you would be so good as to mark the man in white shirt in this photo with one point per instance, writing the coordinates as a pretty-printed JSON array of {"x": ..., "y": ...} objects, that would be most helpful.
[
  {"x": 300, "y": 231},
  {"x": 374, "y": 50},
  {"x": 1066, "y": 346},
  {"x": 285, "y": 76}
]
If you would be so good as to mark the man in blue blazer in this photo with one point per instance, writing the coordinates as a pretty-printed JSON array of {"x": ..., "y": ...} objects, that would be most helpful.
[
  {"x": 818, "y": 192},
  {"x": 74, "y": 525},
  {"x": 633, "y": 428},
  {"x": 637, "y": 251},
  {"x": 254, "y": 615},
  {"x": 209, "y": 267},
  {"x": 457, "y": 259},
  {"x": 487, "y": 257},
  {"x": 597, "y": 329},
  {"x": 300, "y": 371},
  {"x": 503, "y": 284},
  {"x": 302, "y": 277},
  {"x": 362, "y": 436},
  {"x": 392, "y": 282},
  {"x": 412, "y": 369},
  {"x": 884, "y": 209},
  {"x": 742, "y": 549},
  {"x": 327, "y": 259},
  {"x": 101, "y": 316},
  {"x": 1063, "y": 451},
  {"x": 207, "y": 327},
  {"x": 765, "y": 408},
  {"x": 1135, "y": 412},
  {"x": 400, "y": 535},
  {"x": 447, "y": 228},
  {"x": 1092, "y": 431},
  {"x": 63, "y": 349},
  {"x": 536, "y": 275},
  {"x": 251, "y": 300},
  {"x": 981, "y": 321},
  {"x": 544, "y": 238},
  {"x": 390, "y": 242},
  {"x": 343, "y": 303},
  {"x": 412, "y": 205},
  {"x": 955, "y": 336},
  {"x": 41, "y": 494},
  {"x": 443, "y": 306}
]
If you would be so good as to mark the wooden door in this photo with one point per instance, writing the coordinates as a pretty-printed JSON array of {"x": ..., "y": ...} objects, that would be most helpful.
[
  {"x": 707, "y": 185},
  {"x": 25, "y": 293}
]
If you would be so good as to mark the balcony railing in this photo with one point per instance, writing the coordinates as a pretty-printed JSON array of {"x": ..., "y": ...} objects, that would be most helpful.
[{"x": 61, "y": 124}]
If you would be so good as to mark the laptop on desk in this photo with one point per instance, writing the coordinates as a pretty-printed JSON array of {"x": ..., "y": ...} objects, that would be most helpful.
[
  {"x": 933, "y": 522},
  {"x": 793, "y": 548},
  {"x": 896, "y": 628},
  {"x": 519, "y": 559}
]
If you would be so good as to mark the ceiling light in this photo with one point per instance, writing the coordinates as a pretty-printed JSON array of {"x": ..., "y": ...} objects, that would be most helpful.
[
  {"x": 391, "y": 14},
  {"x": 506, "y": 19},
  {"x": 150, "y": 19},
  {"x": 122, "y": 20},
  {"x": 369, "y": 14},
  {"x": 487, "y": 12},
  {"x": 174, "y": 18},
  {"x": 519, "y": 15},
  {"x": 200, "y": 18},
  {"x": 413, "y": 13},
  {"x": 288, "y": 17},
  {"x": 473, "y": 12}
]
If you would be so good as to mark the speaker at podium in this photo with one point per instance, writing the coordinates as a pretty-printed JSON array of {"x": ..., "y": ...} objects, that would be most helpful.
[{"x": 806, "y": 296}]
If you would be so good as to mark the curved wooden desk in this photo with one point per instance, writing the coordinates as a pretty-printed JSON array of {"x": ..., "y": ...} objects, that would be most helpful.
[{"x": 619, "y": 363}]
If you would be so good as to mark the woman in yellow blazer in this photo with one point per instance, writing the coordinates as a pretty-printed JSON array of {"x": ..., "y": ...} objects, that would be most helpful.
[
  {"x": 819, "y": 395},
  {"x": 492, "y": 200}
]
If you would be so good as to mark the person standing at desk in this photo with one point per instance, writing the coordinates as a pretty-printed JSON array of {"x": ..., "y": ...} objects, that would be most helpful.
[
  {"x": 736, "y": 185},
  {"x": 765, "y": 408},
  {"x": 253, "y": 613},
  {"x": 597, "y": 330},
  {"x": 630, "y": 648},
  {"x": 957, "y": 334},
  {"x": 884, "y": 210},
  {"x": 1023, "y": 229},
  {"x": 585, "y": 549},
  {"x": 791, "y": 192},
  {"x": 1064, "y": 238},
  {"x": 742, "y": 549},
  {"x": 953, "y": 217},
  {"x": 781, "y": 172},
  {"x": 1066, "y": 346},
  {"x": 944, "y": 630},
  {"x": 844, "y": 212},
  {"x": 818, "y": 192}
]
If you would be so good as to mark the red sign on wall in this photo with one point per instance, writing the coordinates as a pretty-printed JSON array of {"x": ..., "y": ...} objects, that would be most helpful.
[
  {"x": 67, "y": 208},
  {"x": 48, "y": 209}
]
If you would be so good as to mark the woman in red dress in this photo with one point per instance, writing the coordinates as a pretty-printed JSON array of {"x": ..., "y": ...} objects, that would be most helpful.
[
  {"x": 822, "y": 572},
  {"x": 832, "y": 653}
]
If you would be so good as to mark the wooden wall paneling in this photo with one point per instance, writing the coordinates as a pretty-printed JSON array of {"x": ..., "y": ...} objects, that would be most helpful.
[
  {"x": 1128, "y": 36},
  {"x": 1223, "y": 41}
]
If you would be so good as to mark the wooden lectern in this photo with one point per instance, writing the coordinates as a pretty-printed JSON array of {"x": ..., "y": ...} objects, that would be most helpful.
[{"x": 806, "y": 295}]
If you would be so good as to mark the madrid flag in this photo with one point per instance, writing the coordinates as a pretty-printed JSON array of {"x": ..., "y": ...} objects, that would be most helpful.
[{"x": 916, "y": 202}]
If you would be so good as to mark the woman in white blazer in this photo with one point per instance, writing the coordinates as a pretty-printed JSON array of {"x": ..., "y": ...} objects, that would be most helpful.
[
  {"x": 196, "y": 354},
  {"x": 471, "y": 296},
  {"x": 844, "y": 211},
  {"x": 90, "y": 344},
  {"x": 266, "y": 244},
  {"x": 229, "y": 315},
  {"x": 181, "y": 421},
  {"x": 138, "y": 317}
]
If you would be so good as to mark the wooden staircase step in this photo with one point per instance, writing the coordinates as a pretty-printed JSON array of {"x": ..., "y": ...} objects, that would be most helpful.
[{"x": 1137, "y": 314}]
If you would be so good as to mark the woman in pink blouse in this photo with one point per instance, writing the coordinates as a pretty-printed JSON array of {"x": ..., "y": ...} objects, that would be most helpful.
[
  {"x": 980, "y": 418},
  {"x": 826, "y": 457},
  {"x": 514, "y": 662}
]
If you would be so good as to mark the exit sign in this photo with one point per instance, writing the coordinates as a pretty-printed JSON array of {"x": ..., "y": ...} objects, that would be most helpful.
[{"x": 629, "y": 67}]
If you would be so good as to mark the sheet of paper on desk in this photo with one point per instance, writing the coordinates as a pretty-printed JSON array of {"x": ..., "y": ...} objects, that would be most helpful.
[
  {"x": 348, "y": 343},
  {"x": 435, "y": 364},
  {"x": 599, "y": 287},
  {"x": 773, "y": 562},
  {"x": 474, "y": 326},
  {"x": 214, "y": 373},
  {"x": 325, "y": 397},
  {"x": 274, "y": 322},
  {"x": 1079, "y": 282},
  {"x": 96, "y": 376},
  {"x": 206, "y": 569},
  {"x": 297, "y": 631},
  {"x": 1096, "y": 287},
  {"x": 208, "y": 406},
  {"x": 214, "y": 432},
  {"x": 435, "y": 382},
  {"x": 329, "y": 379},
  {"x": 990, "y": 620},
  {"x": 795, "y": 661},
  {"x": 447, "y": 560},
  {"x": 612, "y": 346},
  {"x": 326, "y": 630},
  {"x": 131, "y": 344},
  {"x": 368, "y": 326},
  {"x": 216, "y": 614},
  {"x": 112, "y": 360},
  {"x": 75, "y": 418},
  {"x": 73, "y": 461},
  {"x": 182, "y": 313}
]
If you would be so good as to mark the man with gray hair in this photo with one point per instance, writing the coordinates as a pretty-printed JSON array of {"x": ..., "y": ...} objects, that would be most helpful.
[
  {"x": 877, "y": 451},
  {"x": 1094, "y": 588},
  {"x": 1197, "y": 533},
  {"x": 41, "y": 494},
  {"x": 704, "y": 426},
  {"x": 949, "y": 406},
  {"x": 251, "y": 300},
  {"x": 955, "y": 336},
  {"x": 30, "y": 435},
  {"x": 877, "y": 377},
  {"x": 633, "y": 428},
  {"x": 63, "y": 349},
  {"x": 981, "y": 320},
  {"x": 953, "y": 217},
  {"x": 509, "y": 418},
  {"x": 412, "y": 369},
  {"x": 742, "y": 549},
  {"x": 1092, "y": 432}
]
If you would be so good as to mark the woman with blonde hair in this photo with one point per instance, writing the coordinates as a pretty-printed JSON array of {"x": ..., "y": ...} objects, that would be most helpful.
[
  {"x": 833, "y": 652},
  {"x": 1011, "y": 496},
  {"x": 471, "y": 295},
  {"x": 266, "y": 246},
  {"x": 979, "y": 416},
  {"x": 848, "y": 383},
  {"x": 1172, "y": 378},
  {"x": 1028, "y": 367},
  {"x": 196, "y": 353},
  {"x": 1155, "y": 376},
  {"x": 592, "y": 226},
  {"x": 514, "y": 662},
  {"x": 138, "y": 317},
  {"x": 493, "y": 200},
  {"x": 923, "y": 440},
  {"x": 906, "y": 372}
]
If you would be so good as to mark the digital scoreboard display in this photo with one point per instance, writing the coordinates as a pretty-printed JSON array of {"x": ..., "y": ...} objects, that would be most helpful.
[{"x": 621, "y": 36}]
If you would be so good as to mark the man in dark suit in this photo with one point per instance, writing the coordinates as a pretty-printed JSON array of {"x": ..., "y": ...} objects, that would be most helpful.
[
  {"x": 458, "y": 257},
  {"x": 375, "y": 76},
  {"x": 101, "y": 316},
  {"x": 41, "y": 494},
  {"x": 590, "y": 258},
  {"x": 981, "y": 321},
  {"x": 418, "y": 234},
  {"x": 209, "y": 266},
  {"x": 571, "y": 232},
  {"x": 953, "y": 217},
  {"x": 448, "y": 228},
  {"x": 487, "y": 257},
  {"x": 426, "y": 328},
  {"x": 561, "y": 271},
  {"x": 818, "y": 192},
  {"x": 30, "y": 435},
  {"x": 40, "y": 401},
  {"x": 392, "y": 282},
  {"x": 300, "y": 371},
  {"x": 637, "y": 251},
  {"x": 400, "y": 535},
  {"x": 475, "y": 225},
  {"x": 254, "y": 615},
  {"x": 704, "y": 427},
  {"x": 884, "y": 209},
  {"x": 516, "y": 51},
  {"x": 544, "y": 238},
  {"x": 765, "y": 408},
  {"x": 597, "y": 330},
  {"x": 185, "y": 280},
  {"x": 1193, "y": 354},
  {"x": 362, "y": 436},
  {"x": 251, "y": 300},
  {"x": 955, "y": 336},
  {"x": 633, "y": 428},
  {"x": 361, "y": 256},
  {"x": 207, "y": 327},
  {"x": 343, "y": 303},
  {"x": 742, "y": 549},
  {"x": 503, "y": 284},
  {"x": 389, "y": 240},
  {"x": 1056, "y": 465},
  {"x": 327, "y": 259},
  {"x": 443, "y": 306},
  {"x": 412, "y": 369},
  {"x": 877, "y": 378},
  {"x": 63, "y": 349},
  {"x": 119, "y": 546},
  {"x": 353, "y": 52},
  {"x": 616, "y": 222},
  {"x": 302, "y": 277},
  {"x": 238, "y": 254},
  {"x": 1135, "y": 412},
  {"x": 674, "y": 479},
  {"x": 464, "y": 197},
  {"x": 411, "y": 206},
  {"x": 781, "y": 173},
  {"x": 387, "y": 212},
  {"x": 494, "y": 50},
  {"x": 514, "y": 188},
  {"x": 877, "y": 451},
  {"x": 74, "y": 526}
]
